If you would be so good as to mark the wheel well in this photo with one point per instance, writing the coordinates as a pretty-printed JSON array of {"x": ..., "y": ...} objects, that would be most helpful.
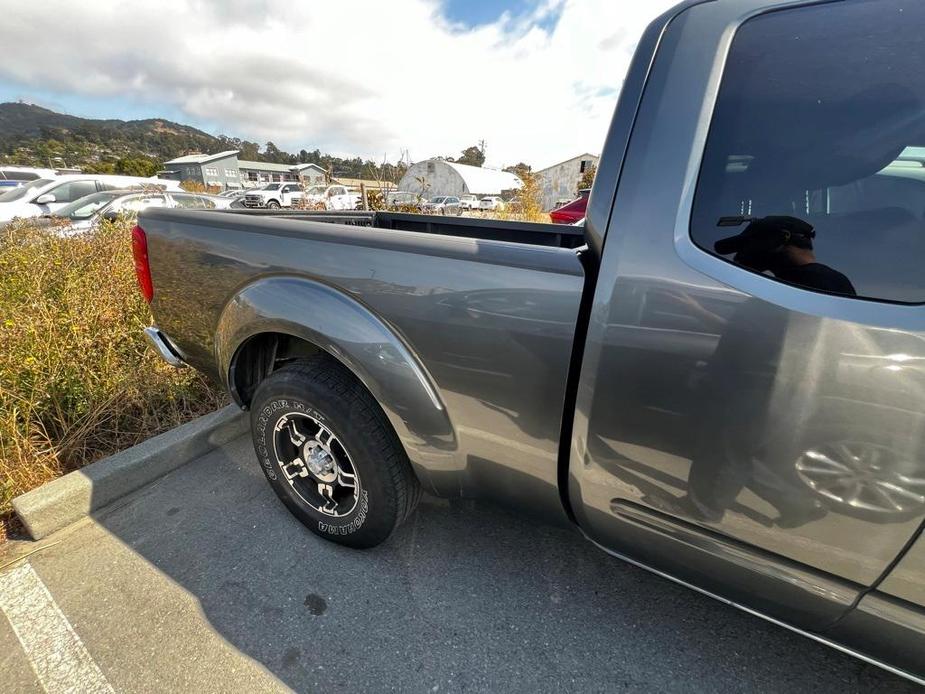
[{"x": 261, "y": 355}]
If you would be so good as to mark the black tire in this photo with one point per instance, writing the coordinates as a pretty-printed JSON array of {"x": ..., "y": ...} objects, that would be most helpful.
[
  {"x": 272, "y": 205},
  {"x": 322, "y": 391}
]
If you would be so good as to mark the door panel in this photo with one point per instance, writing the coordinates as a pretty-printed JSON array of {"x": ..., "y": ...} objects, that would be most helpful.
[
  {"x": 723, "y": 412},
  {"x": 907, "y": 579}
]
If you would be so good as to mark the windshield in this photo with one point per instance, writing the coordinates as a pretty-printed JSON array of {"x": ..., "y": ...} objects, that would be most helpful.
[
  {"x": 316, "y": 190},
  {"x": 87, "y": 206},
  {"x": 24, "y": 192},
  {"x": 438, "y": 199},
  {"x": 271, "y": 186}
]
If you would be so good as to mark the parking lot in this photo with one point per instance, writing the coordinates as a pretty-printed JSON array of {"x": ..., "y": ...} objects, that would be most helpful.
[{"x": 203, "y": 582}]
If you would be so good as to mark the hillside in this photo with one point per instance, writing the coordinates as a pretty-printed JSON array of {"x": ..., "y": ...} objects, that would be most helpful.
[{"x": 34, "y": 136}]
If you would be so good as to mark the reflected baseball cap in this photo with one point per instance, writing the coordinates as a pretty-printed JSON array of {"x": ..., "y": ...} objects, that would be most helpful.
[{"x": 765, "y": 234}]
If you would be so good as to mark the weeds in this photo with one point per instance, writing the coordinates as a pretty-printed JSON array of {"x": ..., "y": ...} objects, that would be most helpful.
[{"x": 77, "y": 381}]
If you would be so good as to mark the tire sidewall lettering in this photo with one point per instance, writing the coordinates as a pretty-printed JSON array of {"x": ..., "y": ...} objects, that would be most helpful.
[
  {"x": 271, "y": 413},
  {"x": 351, "y": 526}
]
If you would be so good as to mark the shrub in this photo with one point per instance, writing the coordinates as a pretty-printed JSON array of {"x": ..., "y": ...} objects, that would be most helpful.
[
  {"x": 191, "y": 186},
  {"x": 77, "y": 381}
]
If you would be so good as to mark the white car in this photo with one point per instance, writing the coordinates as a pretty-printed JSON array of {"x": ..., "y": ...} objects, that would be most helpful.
[
  {"x": 333, "y": 197},
  {"x": 273, "y": 196},
  {"x": 88, "y": 212},
  {"x": 47, "y": 195},
  {"x": 469, "y": 202},
  {"x": 492, "y": 202}
]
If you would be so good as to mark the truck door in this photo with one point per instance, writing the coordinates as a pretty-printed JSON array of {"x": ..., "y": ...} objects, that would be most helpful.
[{"x": 751, "y": 407}]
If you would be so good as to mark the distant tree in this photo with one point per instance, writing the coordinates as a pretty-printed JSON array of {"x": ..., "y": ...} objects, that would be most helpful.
[
  {"x": 250, "y": 151},
  {"x": 472, "y": 156},
  {"x": 272, "y": 153},
  {"x": 520, "y": 170},
  {"x": 587, "y": 178},
  {"x": 136, "y": 166},
  {"x": 102, "y": 167},
  {"x": 530, "y": 198}
]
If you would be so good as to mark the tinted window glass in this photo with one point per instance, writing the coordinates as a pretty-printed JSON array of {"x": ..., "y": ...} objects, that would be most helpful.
[
  {"x": 187, "y": 200},
  {"x": 86, "y": 207},
  {"x": 69, "y": 192},
  {"x": 815, "y": 160},
  {"x": 25, "y": 192},
  {"x": 141, "y": 202},
  {"x": 17, "y": 175}
]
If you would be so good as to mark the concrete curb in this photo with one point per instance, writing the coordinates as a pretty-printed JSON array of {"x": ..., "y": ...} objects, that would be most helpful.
[{"x": 68, "y": 499}]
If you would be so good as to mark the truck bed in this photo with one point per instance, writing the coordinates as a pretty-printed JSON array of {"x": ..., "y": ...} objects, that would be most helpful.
[
  {"x": 491, "y": 323},
  {"x": 533, "y": 233}
]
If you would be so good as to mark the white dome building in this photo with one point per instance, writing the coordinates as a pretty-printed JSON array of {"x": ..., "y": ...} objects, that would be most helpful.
[{"x": 449, "y": 178}]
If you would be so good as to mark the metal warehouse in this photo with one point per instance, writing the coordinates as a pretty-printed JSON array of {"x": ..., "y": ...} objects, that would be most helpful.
[{"x": 437, "y": 177}]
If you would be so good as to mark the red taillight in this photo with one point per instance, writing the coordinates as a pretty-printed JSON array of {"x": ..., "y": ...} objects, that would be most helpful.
[{"x": 142, "y": 268}]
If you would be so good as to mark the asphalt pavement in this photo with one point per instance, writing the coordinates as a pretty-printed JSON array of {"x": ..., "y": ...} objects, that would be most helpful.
[{"x": 203, "y": 582}]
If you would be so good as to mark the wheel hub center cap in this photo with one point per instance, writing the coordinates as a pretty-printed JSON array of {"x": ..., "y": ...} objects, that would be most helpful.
[{"x": 319, "y": 462}]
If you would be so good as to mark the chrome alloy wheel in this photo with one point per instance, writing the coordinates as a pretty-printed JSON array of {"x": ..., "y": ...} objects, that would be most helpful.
[
  {"x": 864, "y": 476},
  {"x": 316, "y": 464}
]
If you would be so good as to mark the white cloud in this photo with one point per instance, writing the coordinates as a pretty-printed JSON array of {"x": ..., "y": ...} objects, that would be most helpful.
[{"x": 351, "y": 77}]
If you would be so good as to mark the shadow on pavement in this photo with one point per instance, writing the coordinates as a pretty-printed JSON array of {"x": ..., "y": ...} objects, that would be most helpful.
[{"x": 465, "y": 597}]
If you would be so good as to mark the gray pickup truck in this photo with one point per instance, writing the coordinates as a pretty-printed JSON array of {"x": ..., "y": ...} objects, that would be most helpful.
[{"x": 719, "y": 377}]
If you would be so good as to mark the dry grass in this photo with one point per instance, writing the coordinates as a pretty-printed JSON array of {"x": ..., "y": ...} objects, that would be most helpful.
[{"x": 77, "y": 381}]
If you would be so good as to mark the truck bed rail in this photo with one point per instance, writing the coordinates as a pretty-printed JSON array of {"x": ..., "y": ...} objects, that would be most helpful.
[{"x": 533, "y": 233}]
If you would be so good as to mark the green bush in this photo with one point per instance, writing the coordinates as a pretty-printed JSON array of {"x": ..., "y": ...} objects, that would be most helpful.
[{"x": 77, "y": 381}]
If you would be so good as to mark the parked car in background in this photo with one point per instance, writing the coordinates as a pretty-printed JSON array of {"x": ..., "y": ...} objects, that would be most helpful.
[
  {"x": 273, "y": 196},
  {"x": 515, "y": 204},
  {"x": 16, "y": 176},
  {"x": 47, "y": 195},
  {"x": 332, "y": 197},
  {"x": 492, "y": 203},
  {"x": 469, "y": 202},
  {"x": 233, "y": 194},
  {"x": 570, "y": 213},
  {"x": 88, "y": 212},
  {"x": 403, "y": 198},
  {"x": 573, "y": 211},
  {"x": 442, "y": 204}
]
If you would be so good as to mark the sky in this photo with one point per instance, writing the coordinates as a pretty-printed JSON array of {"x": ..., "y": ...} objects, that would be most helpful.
[{"x": 537, "y": 80}]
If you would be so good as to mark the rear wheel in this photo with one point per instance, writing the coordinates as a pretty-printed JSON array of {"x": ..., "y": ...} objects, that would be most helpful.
[{"x": 330, "y": 454}]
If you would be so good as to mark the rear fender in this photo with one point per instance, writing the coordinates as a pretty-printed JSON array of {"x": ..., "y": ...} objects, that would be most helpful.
[{"x": 350, "y": 332}]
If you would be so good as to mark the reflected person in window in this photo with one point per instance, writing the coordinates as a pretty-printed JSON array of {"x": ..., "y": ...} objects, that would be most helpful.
[{"x": 783, "y": 246}]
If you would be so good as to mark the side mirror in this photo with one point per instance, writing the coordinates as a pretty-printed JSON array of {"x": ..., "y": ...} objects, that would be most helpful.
[
  {"x": 111, "y": 215},
  {"x": 44, "y": 199}
]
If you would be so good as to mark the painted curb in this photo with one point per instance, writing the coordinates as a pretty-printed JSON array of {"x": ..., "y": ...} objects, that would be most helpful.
[{"x": 77, "y": 494}]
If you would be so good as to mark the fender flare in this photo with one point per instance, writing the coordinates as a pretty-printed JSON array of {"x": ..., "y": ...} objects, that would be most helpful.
[{"x": 366, "y": 345}]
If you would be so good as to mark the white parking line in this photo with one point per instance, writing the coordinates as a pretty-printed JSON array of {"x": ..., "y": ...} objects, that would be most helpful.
[{"x": 55, "y": 651}]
